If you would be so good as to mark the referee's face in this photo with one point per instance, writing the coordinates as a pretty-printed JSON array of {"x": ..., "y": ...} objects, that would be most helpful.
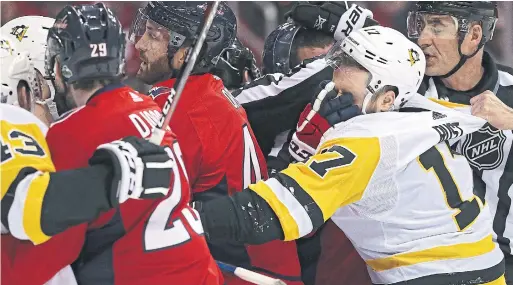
[{"x": 439, "y": 42}]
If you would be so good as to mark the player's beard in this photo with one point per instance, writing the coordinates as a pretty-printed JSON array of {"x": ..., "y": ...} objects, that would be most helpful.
[
  {"x": 63, "y": 99},
  {"x": 155, "y": 71}
]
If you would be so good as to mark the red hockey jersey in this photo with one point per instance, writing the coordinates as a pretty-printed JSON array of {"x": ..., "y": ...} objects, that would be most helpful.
[
  {"x": 222, "y": 156},
  {"x": 216, "y": 139},
  {"x": 143, "y": 241}
]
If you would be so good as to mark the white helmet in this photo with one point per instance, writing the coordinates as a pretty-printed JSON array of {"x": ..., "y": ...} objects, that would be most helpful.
[
  {"x": 29, "y": 33},
  {"x": 388, "y": 56},
  {"x": 16, "y": 66}
]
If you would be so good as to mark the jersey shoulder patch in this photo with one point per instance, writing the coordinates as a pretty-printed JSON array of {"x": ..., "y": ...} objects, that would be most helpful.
[{"x": 158, "y": 90}]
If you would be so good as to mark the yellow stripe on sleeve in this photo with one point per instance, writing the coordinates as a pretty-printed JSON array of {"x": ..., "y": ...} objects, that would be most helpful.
[
  {"x": 33, "y": 207},
  {"x": 288, "y": 223},
  {"x": 333, "y": 178}
]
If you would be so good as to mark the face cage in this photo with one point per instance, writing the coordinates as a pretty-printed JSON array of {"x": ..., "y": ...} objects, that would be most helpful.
[
  {"x": 138, "y": 29},
  {"x": 279, "y": 48}
]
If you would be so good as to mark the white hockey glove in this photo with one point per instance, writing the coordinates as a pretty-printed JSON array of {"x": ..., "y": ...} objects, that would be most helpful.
[
  {"x": 141, "y": 170},
  {"x": 331, "y": 17}
]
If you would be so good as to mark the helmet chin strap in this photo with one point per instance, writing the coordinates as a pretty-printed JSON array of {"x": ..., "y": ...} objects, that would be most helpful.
[
  {"x": 52, "y": 106},
  {"x": 366, "y": 101}
]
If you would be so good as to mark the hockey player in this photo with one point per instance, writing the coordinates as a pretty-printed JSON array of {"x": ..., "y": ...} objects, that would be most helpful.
[
  {"x": 220, "y": 153},
  {"x": 141, "y": 242},
  {"x": 29, "y": 33},
  {"x": 32, "y": 193},
  {"x": 389, "y": 179}
]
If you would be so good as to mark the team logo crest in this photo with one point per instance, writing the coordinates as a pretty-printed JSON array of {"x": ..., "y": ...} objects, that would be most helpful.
[
  {"x": 484, "y": 149},
  {"x": 159, "y": 90},
  {"x": 413, "y": 56},
  {"x": 19, "y": 32}
]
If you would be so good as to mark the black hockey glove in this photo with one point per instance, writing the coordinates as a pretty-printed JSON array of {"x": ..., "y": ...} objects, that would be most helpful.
[
  {"x": 331, "y": 17},
  {"x": 141, "y": 170}
]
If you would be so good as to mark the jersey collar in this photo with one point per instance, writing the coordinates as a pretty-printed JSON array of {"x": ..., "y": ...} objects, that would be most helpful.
[
  {"x": 106, "y": 89},
  {"x": 488, "y": 82}
]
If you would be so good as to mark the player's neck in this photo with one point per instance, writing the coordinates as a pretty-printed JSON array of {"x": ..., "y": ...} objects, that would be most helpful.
[
  {"x": 468, "y": 76},
  {"x": 81, "y": 96}
]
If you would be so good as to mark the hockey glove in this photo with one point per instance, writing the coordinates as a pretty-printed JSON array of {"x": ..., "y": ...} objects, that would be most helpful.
[
  {"x": 141, "y": 170},
  {"x": 331, "y": 17},
  {"x": 324, "y": 112}
]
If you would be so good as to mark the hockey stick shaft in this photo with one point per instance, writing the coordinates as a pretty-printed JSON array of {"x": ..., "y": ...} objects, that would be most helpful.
[
  {"x": 250, "y": 276},
  {"x": 183, "y": 75}
]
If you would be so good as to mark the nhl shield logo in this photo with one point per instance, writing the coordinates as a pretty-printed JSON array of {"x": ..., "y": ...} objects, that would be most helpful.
[{"x": 484, "y": 149}]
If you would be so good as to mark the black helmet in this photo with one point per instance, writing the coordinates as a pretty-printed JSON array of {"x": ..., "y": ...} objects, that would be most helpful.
[
  {"x": 277, "y": 48},
  {"x": 89, "y": 43},
  {"x": 465, "y": 12},
  {"x": 182, "y": 20},
  {"x": 233, "y": 62}
]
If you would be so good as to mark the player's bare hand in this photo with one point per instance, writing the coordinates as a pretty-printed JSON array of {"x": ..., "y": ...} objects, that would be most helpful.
[{"x": 487, "y": 106}]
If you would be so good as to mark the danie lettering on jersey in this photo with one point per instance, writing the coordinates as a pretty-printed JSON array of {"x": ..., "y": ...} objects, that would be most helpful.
[
  {"x": 484, "y": 149},
  {"x": 145, "y": 121},
  {"x": 448, "y": 131}
]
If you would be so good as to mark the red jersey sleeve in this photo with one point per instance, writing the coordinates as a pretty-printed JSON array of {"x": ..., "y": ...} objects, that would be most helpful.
[{"x": 203, "y": 151}]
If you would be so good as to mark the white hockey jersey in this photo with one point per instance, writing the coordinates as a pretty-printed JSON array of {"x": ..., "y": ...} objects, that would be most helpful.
[{"x": 400, "y": 194}]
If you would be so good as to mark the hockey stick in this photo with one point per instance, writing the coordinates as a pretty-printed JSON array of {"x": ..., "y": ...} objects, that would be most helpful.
[
  {"x": 250, "y": 276},
  {"x": 185, "y": 71}
]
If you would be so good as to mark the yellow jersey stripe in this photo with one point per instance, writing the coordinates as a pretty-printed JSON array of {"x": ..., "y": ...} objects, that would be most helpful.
[
  {"x": 500, "y": 281},
  {"x": 33, "y": 206},
  {"x": 458, "y": 251},
  {"x": 288, "y": 223},
  {"x": 448, "y": 104}
]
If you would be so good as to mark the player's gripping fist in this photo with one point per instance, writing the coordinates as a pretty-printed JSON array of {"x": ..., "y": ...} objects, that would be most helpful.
[
  {"x": 324, "y": 112},
  {"x": 140, "y": 169},
  {"x": 331, "y": 17}
]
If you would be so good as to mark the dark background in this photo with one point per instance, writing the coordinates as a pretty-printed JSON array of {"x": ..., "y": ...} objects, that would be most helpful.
[{"x": 257, "y": 19}]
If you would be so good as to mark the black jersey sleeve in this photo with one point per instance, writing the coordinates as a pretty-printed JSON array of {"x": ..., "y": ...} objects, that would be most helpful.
[
  {"x": 274, "y": 102},
  {"x": 243, "y": 217},
  {"x": 74, "y": 197}
]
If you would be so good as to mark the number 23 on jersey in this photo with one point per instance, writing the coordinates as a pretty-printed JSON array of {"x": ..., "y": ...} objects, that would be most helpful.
[{"x": 22, "y": 145}]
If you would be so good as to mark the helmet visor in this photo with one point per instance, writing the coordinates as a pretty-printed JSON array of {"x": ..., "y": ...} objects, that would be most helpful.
[
  {"x": 435, "y": 25},
  {"x": 338, "y": 58},
  {"x": 143, "y": 26}
]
